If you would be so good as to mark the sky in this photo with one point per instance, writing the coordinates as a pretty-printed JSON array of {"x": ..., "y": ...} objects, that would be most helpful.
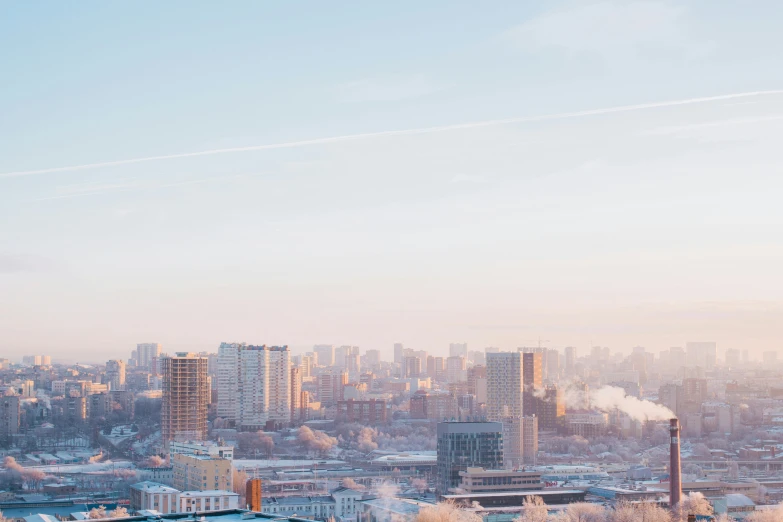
[{"x": 584, "y": 173}]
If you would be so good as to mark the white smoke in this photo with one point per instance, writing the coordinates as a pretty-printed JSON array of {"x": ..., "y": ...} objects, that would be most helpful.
[{"x": 610, "y": 398}]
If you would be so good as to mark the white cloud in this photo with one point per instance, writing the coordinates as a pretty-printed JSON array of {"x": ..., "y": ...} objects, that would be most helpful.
[{"x": 612, "y": 29}]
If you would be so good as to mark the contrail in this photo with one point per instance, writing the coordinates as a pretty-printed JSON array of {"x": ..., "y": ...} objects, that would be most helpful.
[{"x": 403, "y": 132}]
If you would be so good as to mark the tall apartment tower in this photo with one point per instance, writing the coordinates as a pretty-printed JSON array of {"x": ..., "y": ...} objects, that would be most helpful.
[
  {"x": 456, "y": 369},
  {"x": 570, "y": 359},
  {"x": 529, "y": 439},
  {"x": 254, "y": 385},
  {"x": 185, "y": 397},
  {"x": 398, "y": 353},
  {"x": 703, "y": 354},
  {"x": 296, "y": 392},
  {"x": 115, "y": 375},
  {"x": 532, "y": 381},
  {"x": 466, "y": 444},
  {"x": 146, "y": 353},
  {"x": 504, "y": 400},
  {"x": 325, "y": 354},
  {"x": 458, "y": 350},
  {"x": 9, "y": 417}
]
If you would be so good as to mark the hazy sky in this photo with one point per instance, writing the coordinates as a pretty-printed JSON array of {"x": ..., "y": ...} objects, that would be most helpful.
[{"x": 649, "y": 225}]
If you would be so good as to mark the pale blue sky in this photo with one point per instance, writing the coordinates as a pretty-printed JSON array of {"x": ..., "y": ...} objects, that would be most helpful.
[{"x": 650, "y": 226}]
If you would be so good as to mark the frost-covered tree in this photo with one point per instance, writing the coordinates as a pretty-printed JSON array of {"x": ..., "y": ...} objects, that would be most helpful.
[{"x": 533, "y": 510}]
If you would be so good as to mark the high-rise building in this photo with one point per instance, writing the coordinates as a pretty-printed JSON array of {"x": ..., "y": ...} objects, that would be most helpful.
[
  {"x": 371, "y": 358},
  {"x": 296, "y": 392},
  {"x": 552, "y": 364},
  {"x": 254, "y": 385},
  {"x": 304, "y": 406},
  {"x": 456, "y": 369},
  {"x": 703, "y": 354},
  {"x": 325, "y": 354},
  {"x": 115, "y": 374},
  {"x": 146, "y": 353},
  {"x": 439, "y": 365},
  {"x": 532, "y": 381},
  {"x": 330, "y": 386},
  {"x": 550, "y": 409},
  {"x": 9, "y": 418},
  {"x": 185, "y": 397},
  {"x": 342, "y": 353},
  {"x": 462, "y": 445},
  {"x": 398, "y": 353},
  {"x": 32, "y": 360},
  {"x": 412, "y": 367},
  {"x": 46, "y": 360},
  {"x": 504, "y": 400},
  {"x": 529, "y": 440},
  {"x": 458, "y": 350},
  {"x": 306, "y": 364},
  {"x": 353, "y": 363},
  {"x": 504, "y": 385},
  {"x": 570, "y": 359},
  {"x": 732, "y": 357},
  {"x": 477, "y": 357}
]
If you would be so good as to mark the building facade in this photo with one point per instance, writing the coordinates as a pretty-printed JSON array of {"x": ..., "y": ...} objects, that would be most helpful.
[
  {"x": 186, "y": 397},
  {"x": 254, "y": 385},
  {"x": 463, "y": 445}
]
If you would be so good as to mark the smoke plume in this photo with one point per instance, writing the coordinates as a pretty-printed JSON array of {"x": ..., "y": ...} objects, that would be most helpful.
[{"x": 611, "y": 398}]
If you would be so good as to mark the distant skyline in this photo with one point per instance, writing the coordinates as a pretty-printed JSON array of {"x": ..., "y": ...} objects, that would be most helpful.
[{"x": 411, "y": 173}]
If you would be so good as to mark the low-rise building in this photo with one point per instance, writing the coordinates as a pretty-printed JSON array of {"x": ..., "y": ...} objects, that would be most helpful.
[
  {"x": 372, "y": 411},
  {"x": 209, "y": 500},
  {"x": 212, "y": 449},
  {"x": 342, "y": 503},
  {"x": 153, "y": 496},
  {"x": 201, "y": 473},
  {"x": 480, "y": 480}
]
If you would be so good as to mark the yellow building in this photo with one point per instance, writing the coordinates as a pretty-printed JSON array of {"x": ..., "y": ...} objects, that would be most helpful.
[{"x": 201, "y": 473}]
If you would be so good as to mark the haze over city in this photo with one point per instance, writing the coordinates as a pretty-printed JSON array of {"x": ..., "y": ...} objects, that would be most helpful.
[{"x": 653, "y": 220}]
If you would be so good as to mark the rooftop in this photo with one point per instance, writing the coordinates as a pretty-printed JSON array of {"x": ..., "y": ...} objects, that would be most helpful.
[{"x": 153, "y": 487}]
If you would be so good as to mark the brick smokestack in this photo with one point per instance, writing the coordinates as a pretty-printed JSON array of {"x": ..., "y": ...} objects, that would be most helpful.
[{"x": 675, "y": 475}]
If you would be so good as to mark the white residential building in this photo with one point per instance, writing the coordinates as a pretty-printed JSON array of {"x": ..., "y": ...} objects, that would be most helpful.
[
  {"x": 166, "y": 500},
  {"x": 504, "y": 401},
  {"x": 212, "y": 500},
  {"x": 254, "y": 385},
  {"x": 146, "y": 353}
]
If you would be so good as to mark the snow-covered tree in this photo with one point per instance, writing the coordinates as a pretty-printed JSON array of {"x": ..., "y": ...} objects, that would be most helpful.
[
  {"x": 533, "y": 510},
  {"x": 692, "y": 504},
  {"x": 446, "y": 512}
]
